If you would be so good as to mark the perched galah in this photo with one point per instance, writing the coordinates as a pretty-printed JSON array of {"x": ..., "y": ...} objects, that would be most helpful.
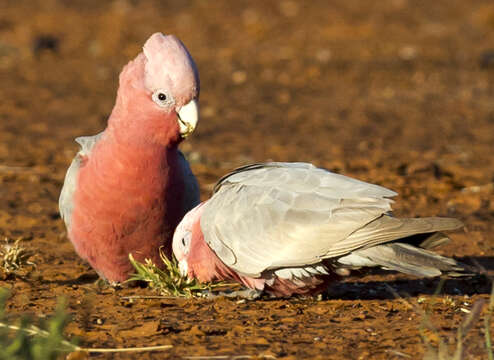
[
  {"x": 129, "y": 186},
  {"x": 290, "y": 228}
]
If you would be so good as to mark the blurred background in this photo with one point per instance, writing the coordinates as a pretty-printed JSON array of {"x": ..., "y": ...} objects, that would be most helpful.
[
  {"x": 319, "y": 81},
  {"x": 395, "y": 92},
  {"x": 330, "y": 79}
]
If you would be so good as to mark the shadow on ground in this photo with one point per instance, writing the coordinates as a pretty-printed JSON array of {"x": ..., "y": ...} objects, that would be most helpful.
[{"x": 358, "y": 288}]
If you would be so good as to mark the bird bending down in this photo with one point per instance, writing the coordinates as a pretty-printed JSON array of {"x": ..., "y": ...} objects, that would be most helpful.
[
  {"x": 129, "y": 186},
  {"x": 288, "y": 228}
]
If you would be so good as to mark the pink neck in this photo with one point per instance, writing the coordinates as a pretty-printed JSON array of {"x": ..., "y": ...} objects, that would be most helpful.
[
  {"x": 202, "y": 261},
  {"x": 206, "y": 266}
]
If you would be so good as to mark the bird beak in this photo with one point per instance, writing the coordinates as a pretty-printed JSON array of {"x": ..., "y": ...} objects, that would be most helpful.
[
  {"x": 182, "y": 266},
  {"x": 188, "y": 116}
]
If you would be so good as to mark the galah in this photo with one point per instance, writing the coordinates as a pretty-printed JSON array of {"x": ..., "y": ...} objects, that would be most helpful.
[
  {"x": 290, "y": 228},
  {"x": 128, "y": 186}
]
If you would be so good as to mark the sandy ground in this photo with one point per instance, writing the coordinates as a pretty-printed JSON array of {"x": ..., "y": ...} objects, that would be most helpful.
[{"x": 396, "y": 92}]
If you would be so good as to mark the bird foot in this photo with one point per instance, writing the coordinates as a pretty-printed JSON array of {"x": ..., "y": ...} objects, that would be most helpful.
[
  {"x": 247, "y": 294},
  {"x": 102, "y": 284}
]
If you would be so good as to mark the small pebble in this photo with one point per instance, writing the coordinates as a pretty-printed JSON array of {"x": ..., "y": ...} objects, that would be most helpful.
[
  {"x": 487, "y": 59},
  {"x": 408, "y": 53},
  {"x": 239, "y": 77}
]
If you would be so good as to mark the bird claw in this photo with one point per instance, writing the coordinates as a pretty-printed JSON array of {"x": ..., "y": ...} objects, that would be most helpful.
[
  {"x": 247, "y": 294},
  {"x": 102, "y": 284}
]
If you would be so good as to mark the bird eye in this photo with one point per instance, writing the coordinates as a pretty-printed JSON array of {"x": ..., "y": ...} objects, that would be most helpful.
[
  {"x": 163, "y": 98},
  {"x": 186, "y": 242}
]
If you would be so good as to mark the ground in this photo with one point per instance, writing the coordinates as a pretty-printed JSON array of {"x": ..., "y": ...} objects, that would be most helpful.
[{"x": 395, "y": 92}]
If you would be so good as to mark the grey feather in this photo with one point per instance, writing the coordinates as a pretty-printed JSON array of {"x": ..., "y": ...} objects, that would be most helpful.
[
  {"x": 65, "y": 202},
  {"x": 301, "y": 177},
  {"x": 192, "y": 192},
  {"x": 301, "y": 272},
  {"x": 289, "y": 216},
  {"x": 87, "y": 143},
  {"x": 407, "y": 259},
  {"x": 269, "y": 216},
  {"x": 433, "y": 241},
  {"x": 387, "y": 228}
]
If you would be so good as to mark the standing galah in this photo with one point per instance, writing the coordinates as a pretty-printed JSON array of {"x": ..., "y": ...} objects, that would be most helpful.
[
  {"x": 290, "y": 228},
  {"x": 129, "y": 186}
]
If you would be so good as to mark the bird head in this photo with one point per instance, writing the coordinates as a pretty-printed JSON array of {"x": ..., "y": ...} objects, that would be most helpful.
[
  {"x": 186, "y": 234},
  {"x": 158, "y": 94}
]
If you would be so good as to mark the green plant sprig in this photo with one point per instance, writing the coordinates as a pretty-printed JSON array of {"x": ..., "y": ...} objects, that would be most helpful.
[{"x": 169, "y": 281}]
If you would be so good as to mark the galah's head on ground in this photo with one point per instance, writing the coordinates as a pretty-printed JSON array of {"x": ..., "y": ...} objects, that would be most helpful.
[
  {"x": 187, "y": 230},
  {"x": 161, "y": 87}
]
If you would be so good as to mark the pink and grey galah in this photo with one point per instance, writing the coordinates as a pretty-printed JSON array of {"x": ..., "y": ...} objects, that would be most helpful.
[
  {"x": 129, "y": 186},
  {"x": 290, "y": 228}
]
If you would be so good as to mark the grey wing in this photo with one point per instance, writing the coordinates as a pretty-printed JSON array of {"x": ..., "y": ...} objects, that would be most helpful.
[
  {"x": 414, "y": 258},
  {"x": 275, "y": 215},
  {"x": 65, "y": 202},
  {"x": 192, "y": 193},
  {"x": 305, "y": 177}
]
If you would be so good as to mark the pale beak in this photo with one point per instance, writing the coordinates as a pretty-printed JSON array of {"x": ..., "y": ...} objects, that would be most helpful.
[
  {"x": 182, "y": 266},
  {"x": 188, "y": 116}
]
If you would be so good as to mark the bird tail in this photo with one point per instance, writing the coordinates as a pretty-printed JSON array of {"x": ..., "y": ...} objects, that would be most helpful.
[
  {"x": 412, "y": 260},
  {"x": 409, "y": 254}
]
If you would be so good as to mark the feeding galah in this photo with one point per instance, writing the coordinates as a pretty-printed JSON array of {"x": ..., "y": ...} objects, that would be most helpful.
[
  {"x": 129, "y": 186},
  {"x": 290, "y": 228}
]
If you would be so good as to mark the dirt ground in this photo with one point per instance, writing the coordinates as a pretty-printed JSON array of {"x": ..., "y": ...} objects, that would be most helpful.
[{"x": 395, "y": 92}]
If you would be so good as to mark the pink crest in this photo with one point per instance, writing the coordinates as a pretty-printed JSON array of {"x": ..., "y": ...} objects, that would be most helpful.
[{"x": 170, "y": 66}]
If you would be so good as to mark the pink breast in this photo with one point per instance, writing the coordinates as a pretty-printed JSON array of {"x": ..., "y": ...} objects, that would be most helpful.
[{"x": 127, "y": 201}]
